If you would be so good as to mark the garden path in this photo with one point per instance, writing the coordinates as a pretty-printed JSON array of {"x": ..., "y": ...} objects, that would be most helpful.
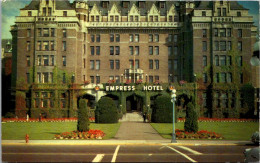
[{"x": 136, "y": 130}]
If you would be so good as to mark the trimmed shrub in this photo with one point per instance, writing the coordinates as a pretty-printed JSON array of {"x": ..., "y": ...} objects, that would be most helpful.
[
  {"x": 191, "y": 122},
  {"x": 106, "y": 111},
  {"x": 248, "y": 91},
  {"x": 162, "y": 112},
  {"x": 9, "y": 115},
  {"x": 83, "y": 119}
]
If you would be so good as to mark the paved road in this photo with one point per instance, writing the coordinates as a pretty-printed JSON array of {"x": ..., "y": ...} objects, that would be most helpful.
[{"x": 122, "y": 153}]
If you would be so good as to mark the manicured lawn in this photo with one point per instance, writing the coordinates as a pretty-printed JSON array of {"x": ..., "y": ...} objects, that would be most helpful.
[
  {"x": 47, "y": 130},
  {"x": 229, "y": 130}
]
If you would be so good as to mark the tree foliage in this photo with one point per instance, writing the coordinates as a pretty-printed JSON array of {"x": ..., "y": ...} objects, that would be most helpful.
[
  {"x": 162, "y": 112},
  {"x": 106, "y": 111},
  {"x": 83, "y": 118},
  {"x": 191, "y": 122}
]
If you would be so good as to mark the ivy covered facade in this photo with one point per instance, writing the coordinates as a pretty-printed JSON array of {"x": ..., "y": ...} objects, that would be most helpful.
[{"x": 65, "y": 51}]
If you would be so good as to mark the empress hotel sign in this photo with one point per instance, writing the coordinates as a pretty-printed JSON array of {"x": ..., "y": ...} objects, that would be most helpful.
[{"x": 132, "y": 88}]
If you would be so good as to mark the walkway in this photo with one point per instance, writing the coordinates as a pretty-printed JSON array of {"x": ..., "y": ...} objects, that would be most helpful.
[{"x": 136, "y": 130}]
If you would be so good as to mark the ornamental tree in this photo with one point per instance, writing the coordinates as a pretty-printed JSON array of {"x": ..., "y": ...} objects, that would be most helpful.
[
  {"x": 83, "y": 117},
  {"x": 191, "y": 121}
]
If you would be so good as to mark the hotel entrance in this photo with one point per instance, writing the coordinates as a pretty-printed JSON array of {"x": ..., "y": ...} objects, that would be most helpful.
[{"x": 134, "y": 103}]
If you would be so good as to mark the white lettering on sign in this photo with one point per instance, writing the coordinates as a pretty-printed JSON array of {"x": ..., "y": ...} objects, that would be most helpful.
[{"x": 132, "y": 88}]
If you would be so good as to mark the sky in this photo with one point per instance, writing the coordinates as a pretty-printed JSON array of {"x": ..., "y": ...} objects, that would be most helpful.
[{"x": 10, "y": 9}]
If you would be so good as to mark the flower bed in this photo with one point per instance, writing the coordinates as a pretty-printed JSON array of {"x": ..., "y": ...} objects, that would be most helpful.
[
  {"x": 221, "y": 120},
  {"x": 203, "y": 134},
  {"x": 92, "y": 119},
  {"x": 91, "y": 134}
]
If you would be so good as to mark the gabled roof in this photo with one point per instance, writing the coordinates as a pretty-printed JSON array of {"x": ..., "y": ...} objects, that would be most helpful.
[{"x": 60, "y": 5}]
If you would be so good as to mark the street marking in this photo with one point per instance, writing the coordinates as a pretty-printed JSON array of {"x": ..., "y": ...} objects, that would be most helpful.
[
  {"x": 182, "y": 154},
  {"x": 190, "y": 150},
  {"x": 98, "y": 158},
  {"x": 115, "y": 154}
]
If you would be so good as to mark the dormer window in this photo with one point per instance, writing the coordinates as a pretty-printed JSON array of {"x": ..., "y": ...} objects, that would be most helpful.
[
  {"x": 104, "y": 4},
  {"x": 141, "y": 4},
  {"x": 224, "y": 10},
  {"x": 44, "y": 11},
  {"x": 49, "y": 11},
  {"x": 125, "y": 4},
  {"x": 221, "y": 2},
  {"x": 162, "y": 4},
  {"x": 239, "y": 13},
  {"x": 65, "y": 13},
  {"x": 29, "y": 13},
  {"x": 203, "y": 13}
]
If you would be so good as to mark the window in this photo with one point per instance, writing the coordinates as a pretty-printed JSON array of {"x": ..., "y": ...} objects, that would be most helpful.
[
  {"x": 64, "y": 47},
  {"x": 204, "y": 46},
  {"x": 229, "y": 32},
  {"x": 92, "y": 64},
  {"x": 203, "y": 13},
  {"x": 157, "y": 64},
  {"x": 222, "y": 32},
  {"x": 105, "y": 4},
  {"x": 111, "y": 18},
  {"x": 223, "y": 77},
  {"x": 111, "y": 77},
  {"x": 117, "y": 64},
  {"x": 111, "y": 64},
  {"x": 45, "y": 32},
  {"x": 39, "y": 45},
  {"x": 229, "y": 77},
  {"x": 125, "y": 4},
  {"x": 52, "y": 45},
  {"x": 238, "y": 13},
  {"x": 156, "y": 37},
  {"x": 28, "y": 46},
  {"x": 216, "y": 46},
  {"x": 64, "y": 60},
  {"x": 28, "y": 32},
  {"x": 204, "y": 60},
  {"x": 170, "y": 38},
  {"x": 28, "y": 61},
  {"x": 98, "y": 38},
  {"x": 117, "y": 50},
  {"x": 239, "y": 45},
  {"x": 136, "y": 18},
  {"x": 92, "y": 50},
  {"x": 131, "y": 18},
  {"x": 29, "y": 13},
  {"x": 224, "y": 100},
  {"x": 92, "y": 79},
  {"x": 98, "y": 79},
  {"x": 150, "y": 50},
  {"x": 150, "y": 64},
  {"x": 241, "y": 78},
  {"x": 175, "y": 65},
  {"x": 162, "y": 4},
  {"x": 116, "y": 18},
  {"x": 229, "y": 60},
  {"x": 176, "y": 18},
  {"x": 52, "y": 60},
  {"x": 44, "y": 11},
  {"x": 239, "y": 32},
  {"x": 222, "y": 60},
  {"x": 131, "y": 38},
  {"x": 39, "y": 77},
  {"x": 170, "y": 19},
  {"x": 136, "y": 37},
  {"x": 175, "y": 50},
  {"x": 136, "y": 50},
  {"x": 156, "y": 18},
  {"x": 46, "y": 60},
  {"x": 97, "y": 18},
  {"x": 45, "y": 77},
  {"x": 39, "y": 31},
  {"x": 64, "y": 13},
  {"x": 97, "y": 64},
  {"x": 224, "y": 12},
  {"x": 117, "y": 38},
  {"x": 49, "y": 11},
  {"x": 92, "y": 38},
  {"x": 151, "y": 79},
  {"x": 175, "y": 39},
  {"x": 219, "y": 11},
  {"x": 151, "y": 18},
  {"x": 84, "y": 63},
  {"x": 169, "y": 50},
  {"x": 98, "y": 50},
  {"x": 92, "y": 18},
  {"x": 131, "y": 63},
  {"x": 222, "y": 45},
  {"x": 111, "y": 38},
  {"x": 131, "y": 48},
  {"x": 229, "y": 45},
  {"x": 240, "y": 61},
  {"x": 142, "y": 4},
  {"x": 111, "y": 50},
  {"x": 136, "y": 63},
  {"x": 217, "y": 77},
  {"x": 156, "y": 78},
  {"x": 170, "y": 64},
  {"x": 156, "y": 50},
  {"x": 205, "y": 78},
  {"x": 216, "y": 60},
  {"x": 215, "y": 32},
  {"x": 39, "y": 60},
  {"x": 150, "y": 38},
  {"x": 204, "y": 32},
  {"x": 45, "y": 45}
]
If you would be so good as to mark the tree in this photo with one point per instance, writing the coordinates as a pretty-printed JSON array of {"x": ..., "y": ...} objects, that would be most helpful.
[
  {"x": 162, "y": 110},
  {"x": 106, "y": 111},
  {"x": 248, "y": 95},
  {"x": 83, "y": 118},
  {"x": 191, "y": 122}
]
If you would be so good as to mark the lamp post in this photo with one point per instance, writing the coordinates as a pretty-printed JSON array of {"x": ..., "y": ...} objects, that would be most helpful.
[
  {"x": 73, "y": 78},
  {"x": 122, "y": 78},
  {"x": 173, "y": 96},
  {"x": 195, "y": 93},
  {"x": 146, "y": 77}
]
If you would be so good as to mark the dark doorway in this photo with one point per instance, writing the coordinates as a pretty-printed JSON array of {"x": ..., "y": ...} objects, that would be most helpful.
[
  {"x": 90, "y": 100},
  {"x": 134, "y": 103}
]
